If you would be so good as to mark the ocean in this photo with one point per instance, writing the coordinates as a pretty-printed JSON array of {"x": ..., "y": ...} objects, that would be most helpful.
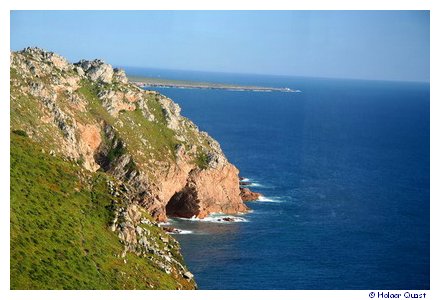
[{"x": 344, "y": 169}]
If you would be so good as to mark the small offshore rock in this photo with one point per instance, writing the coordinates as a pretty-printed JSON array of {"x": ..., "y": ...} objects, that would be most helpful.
[{"x": 247, "y": 195}]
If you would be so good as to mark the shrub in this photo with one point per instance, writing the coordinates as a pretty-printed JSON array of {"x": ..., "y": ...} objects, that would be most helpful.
[
  {"x": 202, "y": 160},
  {"x": 20, "y": 132}
]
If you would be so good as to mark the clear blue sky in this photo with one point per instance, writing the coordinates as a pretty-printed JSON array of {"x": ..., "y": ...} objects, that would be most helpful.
[{"x": 390, "y": 45}]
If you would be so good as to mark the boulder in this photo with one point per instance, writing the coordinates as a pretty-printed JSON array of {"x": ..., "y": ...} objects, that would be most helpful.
[
  {"x": 247, "y": 195},
  {"x": 119, "y": 75},
  {"x": 171, "y": 230},
  {"x": 97, "y": 70},
  {"x": 171, "y": 110}
]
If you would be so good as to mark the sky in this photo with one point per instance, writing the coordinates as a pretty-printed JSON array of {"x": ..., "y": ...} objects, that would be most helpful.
[{"x": 377, "y": 45}]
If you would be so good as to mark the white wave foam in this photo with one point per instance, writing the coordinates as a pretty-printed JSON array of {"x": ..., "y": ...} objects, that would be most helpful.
[
  {"x": 164, "y": 223},
  {"x": 267, "y": 199},
  {"x": 252, "y": 183},
  {"x": 218, "y": 218},
  {"x": 225, "y": 219},
  {"x": 181, "y": 231}
]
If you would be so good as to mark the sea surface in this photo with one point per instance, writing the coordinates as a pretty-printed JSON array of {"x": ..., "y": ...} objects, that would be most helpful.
[{"x": 344, "y": 169}]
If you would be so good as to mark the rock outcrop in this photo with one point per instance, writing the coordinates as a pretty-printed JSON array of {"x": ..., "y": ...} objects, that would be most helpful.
[
  {"x": 89, "y": 113},
  {"x": 247, "y": 195},
  {"x": 96, "y": 70},
  {"x": 142, "y": 236}
]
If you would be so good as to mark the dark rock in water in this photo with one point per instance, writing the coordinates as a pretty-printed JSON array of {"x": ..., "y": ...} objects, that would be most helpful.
[
  {"x": 247, "y": 195},
  {"x": 226, "y": 219},
  {"x": 171, "y": 230},
  {"x": 244, "y": 181}
]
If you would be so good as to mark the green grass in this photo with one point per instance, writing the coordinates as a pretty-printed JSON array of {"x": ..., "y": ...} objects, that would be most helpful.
[
  {"x": 13, "y": 74},
  {"x": 26, "y": 115},
  {"x": 202, "y": 160},
  {"x": 95, "y": 110},
  {"x": 156, "y": 109},
  {"x": 160, "y": 138},
  {"x": 59, "y": 229}
]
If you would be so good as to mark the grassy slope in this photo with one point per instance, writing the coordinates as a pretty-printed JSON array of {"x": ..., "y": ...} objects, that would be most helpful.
[
  {"x": 59, "y": 222},
  {"x": 59, "y": 229}
]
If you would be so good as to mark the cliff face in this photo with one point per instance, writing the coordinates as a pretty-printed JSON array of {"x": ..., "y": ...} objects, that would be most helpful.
[{"x": 90, "y": 114}]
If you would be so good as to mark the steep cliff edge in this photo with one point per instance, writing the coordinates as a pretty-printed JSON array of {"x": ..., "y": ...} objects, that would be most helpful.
[
  {"x": 89, "y": 113},
  {"x": 96, "y": 162}
]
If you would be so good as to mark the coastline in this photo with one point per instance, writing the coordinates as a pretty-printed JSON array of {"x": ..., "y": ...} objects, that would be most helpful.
[{"x": 147, "y": 82}]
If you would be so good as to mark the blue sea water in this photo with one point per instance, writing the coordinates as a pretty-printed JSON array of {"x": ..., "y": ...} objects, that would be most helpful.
[{"x": 344, "y": 167}]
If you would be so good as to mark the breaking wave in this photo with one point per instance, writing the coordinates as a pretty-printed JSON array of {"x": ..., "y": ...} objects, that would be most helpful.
[
  {"x": 181, "y": 231},
  {"x": 269, "y": 199},
  {"x": 218, "y": 218}
]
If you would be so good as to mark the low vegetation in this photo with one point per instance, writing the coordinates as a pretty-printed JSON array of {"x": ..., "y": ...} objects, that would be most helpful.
[{"x": 60, "y": 236}]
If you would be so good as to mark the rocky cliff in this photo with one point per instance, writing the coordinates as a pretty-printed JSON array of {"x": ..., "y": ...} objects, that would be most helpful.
[
  {"x": 96, "y": 162},
  {"x": 88, "y": 113}
]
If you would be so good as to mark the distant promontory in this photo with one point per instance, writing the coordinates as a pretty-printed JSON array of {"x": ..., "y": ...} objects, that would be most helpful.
[{"x": 148, "y": 82}]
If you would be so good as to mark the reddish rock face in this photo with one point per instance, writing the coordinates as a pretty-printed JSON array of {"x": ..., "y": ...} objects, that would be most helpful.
[
  {"x": 247, "y": 195},
  {"x": 218, "y": 190},
  {"x": 208, "y": 191}
]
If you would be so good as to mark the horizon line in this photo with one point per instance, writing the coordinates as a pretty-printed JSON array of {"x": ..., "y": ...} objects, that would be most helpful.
[
  {"x": 238, "y": 73},
  {"x": 271, "y": 74}
]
